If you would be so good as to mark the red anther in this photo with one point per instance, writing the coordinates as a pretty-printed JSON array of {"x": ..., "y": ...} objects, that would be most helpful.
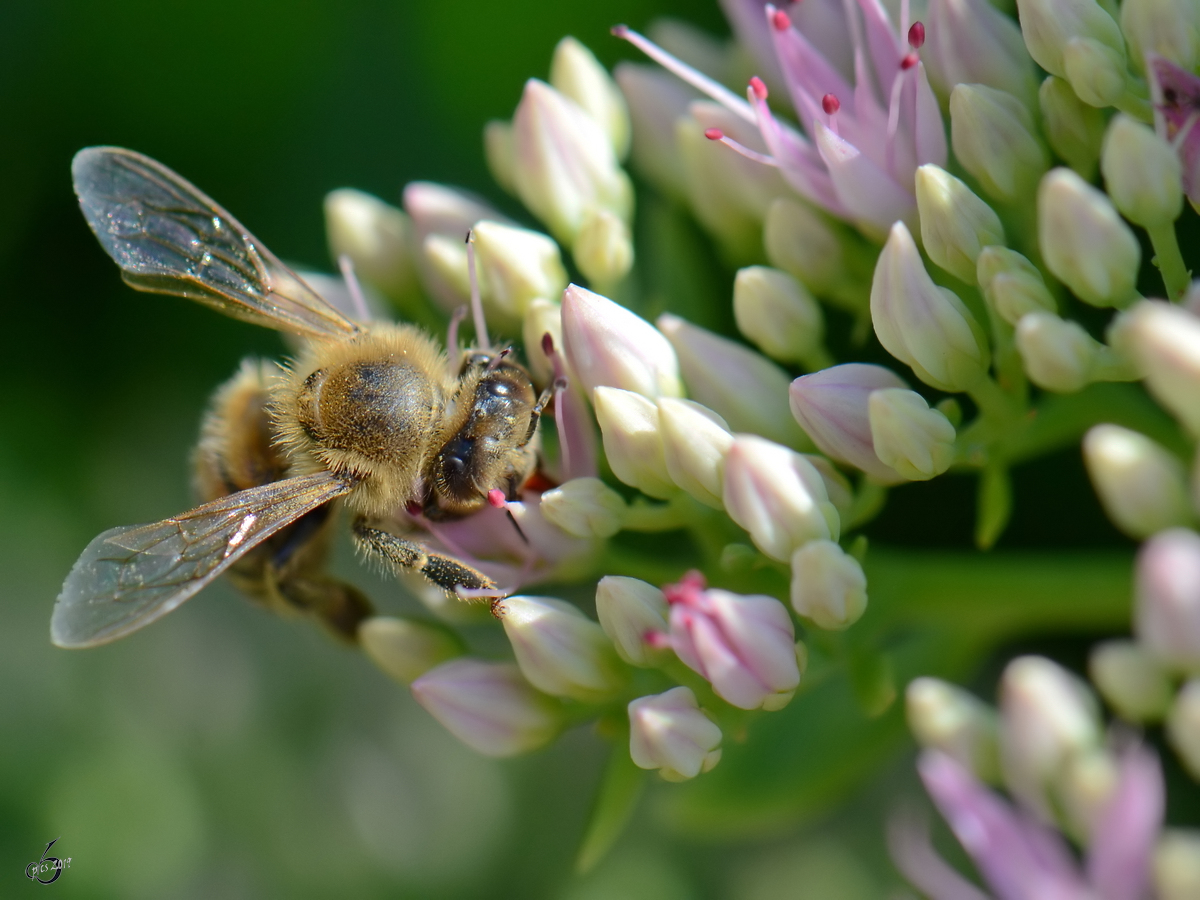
[
  {"x": 781, "y": 20},
  {"x": 548, "y": 344},
  {"x": 909, "y": 61},
  {"x": 714, "y": 134},
  {"x": 691, "y": 584},
  {"x": 496, "y": 498},
  {"x": 830, "y": 104},
  {"x": 760, "y": 89},
  {"x": 916, "y": 36},
  {"x": 619, "y": 31}
]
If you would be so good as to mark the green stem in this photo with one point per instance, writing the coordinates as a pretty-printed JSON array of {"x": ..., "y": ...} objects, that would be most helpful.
[
  {"x": 1169, "y": 260},
  {"x": 993, "y": 403},
  {"x": 1136, "y": 106}
]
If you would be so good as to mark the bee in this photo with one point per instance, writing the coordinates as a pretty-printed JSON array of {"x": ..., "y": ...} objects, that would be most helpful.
[{"x": 374, "y": 416}]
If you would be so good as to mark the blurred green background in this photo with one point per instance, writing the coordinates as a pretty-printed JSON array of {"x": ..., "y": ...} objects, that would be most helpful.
[{"x": 226, "y": 753}]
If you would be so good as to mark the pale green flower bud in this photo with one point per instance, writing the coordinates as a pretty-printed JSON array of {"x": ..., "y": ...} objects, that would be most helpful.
[
  {"x": 542, "y": 317},
  {"x": 1183, "y": 726},
  {"x": 921, "y": 324},
  {"x": 1131, "y": 680},
  {"x": 916, "y": 441},
  {"x": 405, "y": 649},
  {"x": 829, "y": 587},
  {"x": 1142, "y": 486},
  {"x": 743, "y": 387},
  {"x": 1048, "y": 716},
  {"x": 1095, "y": 71},
  {"x": 603, "y": 249},
  {"x": 695, "y": 441},
  {"x": 656, "y": 100},
  {"x": 559, "y": 649},
  {"x": 376, "y": 236},
  {"x": 1085, "y": 788},
  {"x": 944, "y": 717},
  {"x": 670, "y": 732},
  {"x": 445, "y": 259},
  {"x": 972, "y": 42},
  {"x": 800, "y": 241},
  {"x": 1170, "y": 28},
  {"x": 563, "y": 164},
  {"x": 1049, "y": 24},
  {"x": 1164, "y": 342},
  {"x": 1176, "y": 865},
  {"x": 778, "y": 314},
  {"x": 1084, "y": 242},
  {"x": 1141, "y": 173},
  {"x": 955, "y": 223},
  {"x": 995, "y": 140},
  {"x": 500, "y": 153},
  {"x": 629, "y": 610},
  {"x": 1073, "y": 128},
  {"x": 1057, "y": 353},
  {"x": 1012, "y": 284},
  {"x": 584, "y": 508},
  {"x": 516, "y": 265},
  {"x": 576, "y": 73},
  {"x": 632, "y": 442},
  {"x": 488, "y": 706},
  {"x": 777, "y": 496}
]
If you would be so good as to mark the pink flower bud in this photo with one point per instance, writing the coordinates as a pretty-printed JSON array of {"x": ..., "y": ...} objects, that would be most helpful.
[
  {"x": 831, "y": 406},
  {"x": 1167, "y": 598},
  {"x": 488, "y": 706},
  {"x": 670, "y": 732},
  {"x": 744, "y": 646}
]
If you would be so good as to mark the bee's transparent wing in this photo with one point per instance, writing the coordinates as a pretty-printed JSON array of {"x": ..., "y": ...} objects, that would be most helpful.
[
  {"x": 169, "y": 237},
  {"x": 128, "y": 577}
]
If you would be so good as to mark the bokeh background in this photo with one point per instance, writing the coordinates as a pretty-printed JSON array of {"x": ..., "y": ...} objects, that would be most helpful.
[{"x": 226, "y": 753}]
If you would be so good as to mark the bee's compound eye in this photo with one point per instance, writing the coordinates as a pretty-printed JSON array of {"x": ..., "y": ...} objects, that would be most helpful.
[{"x": 382, "y": 409}]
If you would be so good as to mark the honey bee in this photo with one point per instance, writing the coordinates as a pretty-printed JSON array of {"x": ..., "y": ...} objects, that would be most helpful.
[{"x": 373, "y": 415}]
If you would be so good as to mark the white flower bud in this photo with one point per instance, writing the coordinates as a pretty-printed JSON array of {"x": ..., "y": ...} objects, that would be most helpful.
[
  {"x": 669, "y": 732},
  {"x": 955, "y": 223},
  {"x": 629, "y": 610},
  {"x": 609, "y": 346},
  {"x": 944, "y": 717},
  {"x": 563, "y": 163},
  {"x": 837, "y": 485},
  {"x": 584, "y": 508},
  {"x": 1134, "y": 683},
  {"x": 1085, "y": 788},
  {"x": 1170, "y": 28},
  {"x": 559, "y": 649},
  {"x": 972, "y": 42},
  {"x": 1058, "y": 354},
  {"x": 500, "y": 153},
  {"x": 488, "y": 706},
  {"x": 542, "y": 317},
  {"x": 632, "y": 442},
  {"x": 576, "y": 73},
  {"x": 1012, "y": 284},
  {"x": 908, "y": 436},
  {"x": 1142, "y": 173},
  {"x": 1177, "y": 865},
  {"x": 1141, "y": 485},
  {"x": 1166, "y": 609},
  {"x": 994, "y": 138},
  {"x": 1095, "y": 71},
  {"x": 1073, "y": 128},
  {"x": 603, "y": 250},
  {"x": 1048, "y": 716},
  {"x": 516, "y": 265},
  {"x": 695, "y": 441},
  {"x": 801, "y": 242},
  {"x": 743, "y": 387},
  {"x": 1084, "y": 242},
  {"x": 1183, "y": 726},
  {"x": 777, "y": 496},
  {"x": 1049, "y": 24},
  {"x": 828, "y": 585},
  {"x": 657, "y": 99},
  {"x": 376, "y": 236},
  {"x": 1164, "y": 342},
  {"x": 778, "y": 314},
  {"x": 404, "y": 649},
  {"x": 921, "y": 324}
]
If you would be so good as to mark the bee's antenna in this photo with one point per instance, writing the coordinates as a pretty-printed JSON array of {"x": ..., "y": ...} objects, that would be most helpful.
[
  {"x": 481, "y": 335},
  {"x": 360, "y": 302}
]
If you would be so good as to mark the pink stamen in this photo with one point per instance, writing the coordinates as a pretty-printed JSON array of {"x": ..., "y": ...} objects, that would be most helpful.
[
  {"x": 481, "y": 335},
  {"x": 910, "y": 60},
  {"x": 830, "y": 104},
  {"x": 916, "y": 36},
  {"x": 356, "y": 295},
  {"x": 452, "y": 330},
  {"x": 759, "y": 87},
  {"x": 496, "y": 498},
  {"x": 687, "y": 589},
  {"x": 780, "y": 20},
  {"x": 714, "y": 134}
]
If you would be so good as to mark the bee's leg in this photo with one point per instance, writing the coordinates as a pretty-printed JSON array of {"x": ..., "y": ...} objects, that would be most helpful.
[
  {"x": 446, "y": 572},
  {"x": 340, "y": 607}
]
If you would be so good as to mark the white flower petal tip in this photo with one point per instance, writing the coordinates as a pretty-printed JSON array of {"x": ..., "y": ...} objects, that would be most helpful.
[
  {"x": 908, "y": 436},
  {"x": 955, "y": 224},
  {"x": 778, "y": 314},
  {"x": 576, "y": 73},
  {"x": 378, "y": 238},
  {"x": 829, "y": 587},
  {"x": 1012, "y": 284},
  {"x": 1057, "y": 353},
  {"x": 995, "y": 140},
  {"x": 1131, "y": 680},
  {"x": 1142, "y": 173},
  {"x": 944, "y": 717},
  {"x": 1166, "y": 610},
  {"x": 630, "y": 611},
  {"x": 1141, "y": 485},
  {"x": 405, "y": 649},
  {"x": 584, "y": 508},
  {"x": 1164, "y": 343},
  {"x": 670, "y": 732},
  {"x": 633, "y": 442},
  {"x": 695, "y": 440}
]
